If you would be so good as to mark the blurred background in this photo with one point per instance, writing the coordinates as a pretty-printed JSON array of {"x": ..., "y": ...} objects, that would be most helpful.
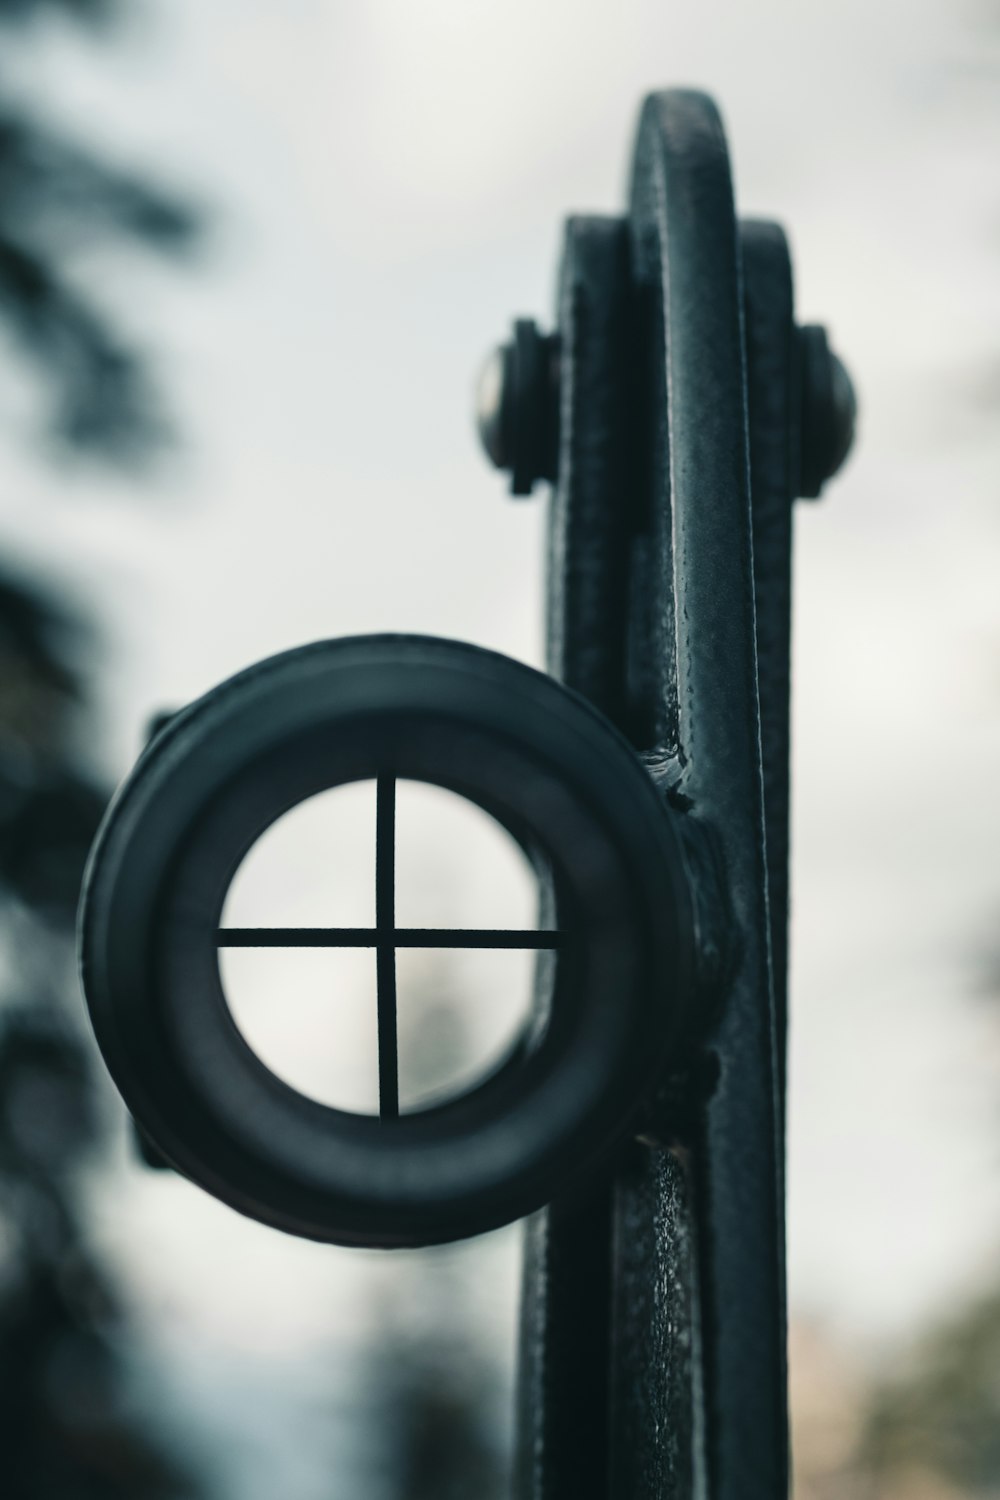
[{"x": 251, "y": 256}]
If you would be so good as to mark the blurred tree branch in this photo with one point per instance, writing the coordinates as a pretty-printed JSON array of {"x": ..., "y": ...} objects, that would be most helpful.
[
  {"x": 56, "y": 198},
  {"x": 67, "y": 1351},
  {"x": 49, "y": 805},
  {"x": 91, "y": 12}
]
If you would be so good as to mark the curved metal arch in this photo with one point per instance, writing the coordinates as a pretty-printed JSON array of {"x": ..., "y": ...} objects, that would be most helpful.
[
  {"x": 653, "y": 1353},
  {"x": 707, "y": 714}
]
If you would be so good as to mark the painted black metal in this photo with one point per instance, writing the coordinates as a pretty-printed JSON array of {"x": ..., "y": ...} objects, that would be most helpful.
[
  {"x": 828, "y": 411},
  {"x": 705, "y": 711},
  {"x": 518, "y": 407},
  {"x": 402, "y": 937},
  {"x": 565, "y": 1327},
  {"x": 775, "y": 447},
  {"x": 679, "y": 411},
  {"x": 385, "y": 944},
  {"x": 551, "y": 771},
  {"x": 654, "y": 1306}
]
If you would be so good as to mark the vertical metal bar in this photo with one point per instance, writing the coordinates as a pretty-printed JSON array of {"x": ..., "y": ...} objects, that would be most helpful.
[
  {"x": 774, "y": 447},
  {"x": 682, "y": 209},
  {"x": 566, "y": 1319},
  {"x": 385, "y": 945}
]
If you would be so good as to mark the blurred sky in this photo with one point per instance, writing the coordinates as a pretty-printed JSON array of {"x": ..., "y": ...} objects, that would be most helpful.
[{"x": 387, "y": 183}]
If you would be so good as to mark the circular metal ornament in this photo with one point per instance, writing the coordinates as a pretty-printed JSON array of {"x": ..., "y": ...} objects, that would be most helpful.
[{"x": 535, "y": 757}]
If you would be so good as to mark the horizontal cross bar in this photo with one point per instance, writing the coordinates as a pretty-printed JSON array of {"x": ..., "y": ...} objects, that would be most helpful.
[{"x": 403, "y": 937}]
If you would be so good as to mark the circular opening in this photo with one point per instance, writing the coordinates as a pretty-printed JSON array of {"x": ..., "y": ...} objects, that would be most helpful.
[{"x": 364, "y": 890}]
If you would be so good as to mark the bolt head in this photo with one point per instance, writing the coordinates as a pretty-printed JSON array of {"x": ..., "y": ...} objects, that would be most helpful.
[
  {"x": 517, "y": 406},
  {"x": 829, "y": 411},
  {"x": 844, "y": 404},
  {"x": 491, "y": 388}
]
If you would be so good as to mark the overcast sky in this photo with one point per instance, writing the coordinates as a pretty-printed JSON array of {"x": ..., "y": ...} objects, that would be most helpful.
[{"x": 387, "y": 183}]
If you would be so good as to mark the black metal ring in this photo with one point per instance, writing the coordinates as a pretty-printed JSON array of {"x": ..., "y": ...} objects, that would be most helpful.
[{"x": 536, "y": 757}]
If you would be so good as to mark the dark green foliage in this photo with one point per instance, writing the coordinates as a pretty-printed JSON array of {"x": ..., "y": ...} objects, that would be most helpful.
[
  {"x": 56, "y": 197},
  {"x": 941, "y": 1410},
  {"x": 65, "y": 1425},
  {"x": 67, "y": 1428},
  {"x": 90, "y": 12},
  {"x": 431, "y": 1401},
  {"x": 49, "y": 804}
]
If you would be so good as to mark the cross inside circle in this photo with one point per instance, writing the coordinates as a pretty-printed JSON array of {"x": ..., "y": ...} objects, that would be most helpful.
[{"x": 385, "y": 937}]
